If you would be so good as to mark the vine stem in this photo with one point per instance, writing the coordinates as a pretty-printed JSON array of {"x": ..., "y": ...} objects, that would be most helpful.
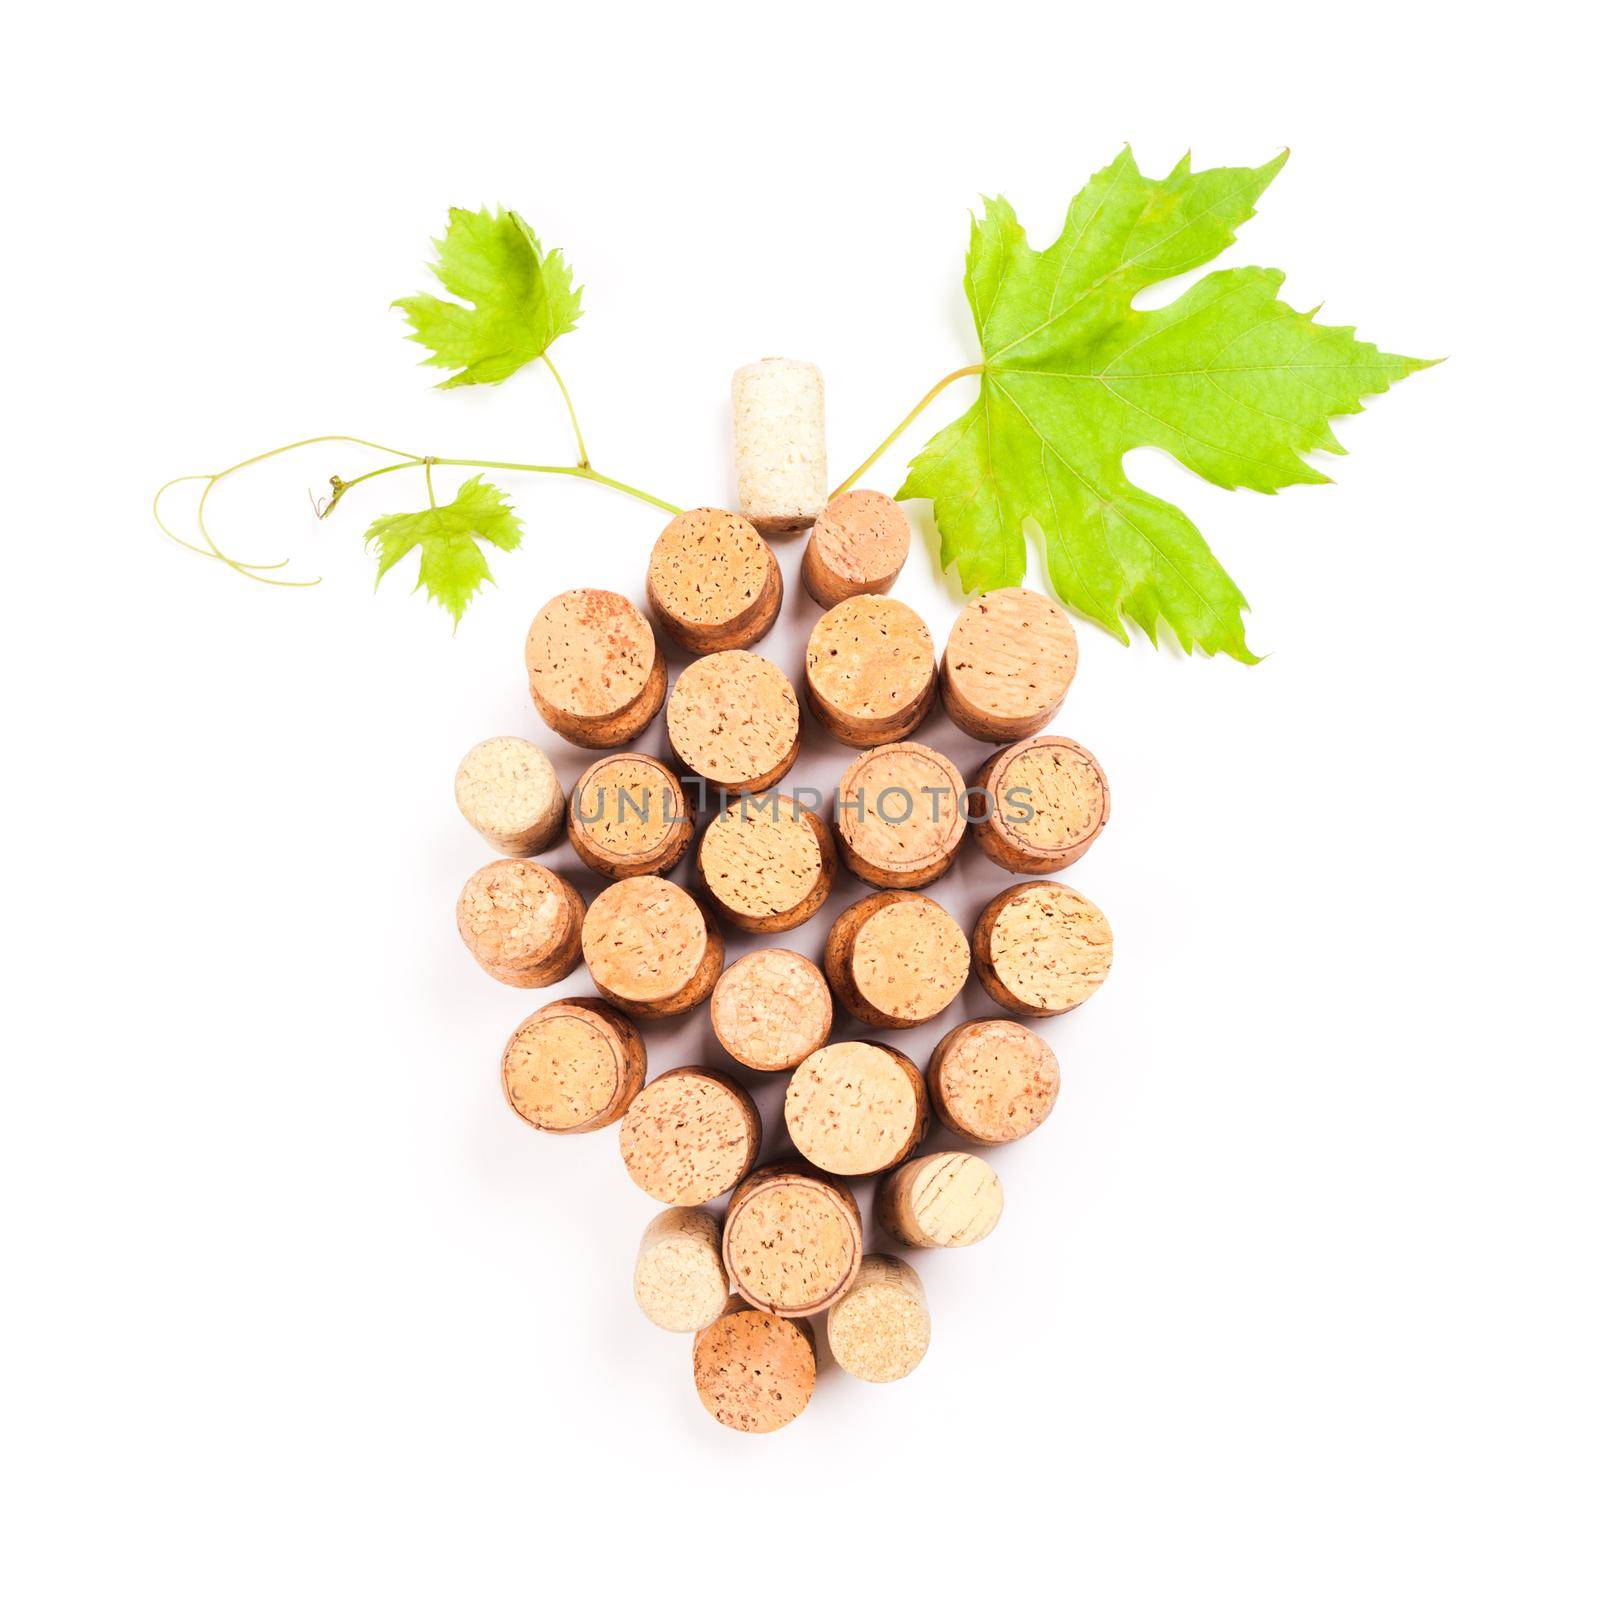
[
  {"x": 905, "y": 422},
  {"x": 572, "y": 415}
]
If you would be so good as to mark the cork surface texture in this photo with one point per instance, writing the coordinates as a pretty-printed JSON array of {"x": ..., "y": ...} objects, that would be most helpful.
[
  {"x": 679, "y": 1281},
  {"x": 993, "y": 1081},
  {"x": 870, "y": 670},
  {"x": 941, "y": 1201},
  {"x": 733, "y": 718},
  {"x": 508, "y": 791},
  {"x": 857, "y": 546},
  {"x": 649, "y": 945},
  {"x": 767, "y": 863},
  {"x": 791, "y": 1240},
  {"x": 712, "y": 582},
  {"x": 856, "y": 1107},
  {"x": 690, "y": 1135},
  {"x": 572, "y": 1067},
  {"x": 899, "y": 815},
  {"x": 1042, "y": 948},
  {"x": 1048, "y": 802},
  {"x": 1009, "y": 662},
  {"x": 779, "y": 443},
  {"x": 880, "y": 1328},
  {"x": 629, "y": 816},
  {"x": 521, "y": 922},
  {"x": 594, "y": 671},
  {"x": 771, "y": 1009},
  {"x": 754, "y": 1372},
  {"x": 896, "y": 959}
]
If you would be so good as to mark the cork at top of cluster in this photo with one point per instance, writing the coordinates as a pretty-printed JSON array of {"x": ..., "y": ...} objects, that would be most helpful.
[
  {"x": 870, "y": 656},
  {"x": 708, "y": 567}
]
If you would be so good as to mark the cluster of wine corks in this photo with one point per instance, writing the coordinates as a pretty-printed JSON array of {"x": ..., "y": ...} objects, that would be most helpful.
[
  {"x": 771, "y": 1009},
  {"x": 754, "y": 1372},
  {"x": 993, "y": 1081},
  {"x": 690, "y": 1135},
  {"x": 679, "y": 1281},
  {"x": 507, "y": 790},
  {"x": 901, "y": 816},
  {"x": 713, "y": 583},
  {"x": 651, "y": 948},
  {"x": 1041, "y": 948},
  {"x": 629, "y": 817},
  {"x": 879, "y": 1329},
  {"x": 733, "y": 718},
  {"x": 767, "y": 863},
  {"x": 1046, "y": 801},
  {"x": 522, "y": 923},
  {"x": 791, "y": 1240},
  {"x": 896, "y": 959},
  {"x": 870, "y": 670},
  {"x": 779, "y": 444},
  {"x": 940, "y": 1201},
  {"x": 1008, "y": 664},
  {"x": 856, "y": 1107},
  {"x": 594, "y": 671},
  {"x": 857, "y": 546},
  {"x": 573, "y": 1066}
]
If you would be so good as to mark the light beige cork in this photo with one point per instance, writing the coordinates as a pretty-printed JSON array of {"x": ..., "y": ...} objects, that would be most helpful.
[
  {"x": 713, "y": 584},
  {"x": 857, "y": 546},
  {"x": 521, "y": 922},
  {"x": 779, "y": 443},
  {"x": 1008, "y": 664},
  {"x": 629, "y": 817},
  {"x": 573, "y": 1066},
  {"x": 993, "y": 1081},
  {"x": 900, "y": 815},
  {"x": 771, "y": 1009},
  {"x": 856, "y": 1107},
  {"x": 792, "y": 1240},
  {"x": 870, "y": 670},
  {"x": 679, "y": 1281},
  {"x": 879, "y": 1329},
  {"x": 754, "y": 1372},
  {"x": 507, "y": 790},
  {"x": 690, "y": 1135},
  {"x": 943, "y": 1200},
  {"x": 733, "y": 718},
  {"x": 896, "y": 959},
  {"x": 1046, "y": 802},
  {"x": 767, "y": 862},
  {"x": 1041, "y": 948},
  {"x": 594, "y": 671},
  {"x": 650, "y": 947}
]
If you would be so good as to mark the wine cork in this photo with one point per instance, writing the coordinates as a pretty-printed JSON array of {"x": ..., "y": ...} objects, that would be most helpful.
[
  {"x": 857, "y": 546},
  {"x": 879, "y": 1329},
  {"x": 1008, "y": 664},
  {"x": 1046, "y": 802},
  {"x": 900, "y": 815},
  {"x": 594, "y": 671},
  {"x": 573, "y": 1066},
  {"x": 767, "y": 862},
  {"x": 1041, "y": 948},
  {"x": 629, "y": 817},
  {"x": 690, "y": 1135},
  {"x": 650, "y": 947},
  {"x": 679, "y": 1281},
  {"x": 733, "y": 718},
  {"x": 943, "y": 1200},
  {"x": 993, "y": 1081},
  {"x": 754, "y": 1372},
  {"x": 521, "y": 922},
  {"x": 856, "y": 1107},
  {"x": 791, "y": 1240},
  {"x": 779, "y": 445},
  {"x": 713, "y": 584},
  {"x": 896, "y": 959},
  {"x": 870, "y": 670},
  {"x": 507, "y": 790},
  {"x": 771, "y": 1009}
]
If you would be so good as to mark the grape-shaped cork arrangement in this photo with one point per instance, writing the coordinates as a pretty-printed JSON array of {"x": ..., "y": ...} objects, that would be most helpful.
[{"x": 756, "y": 1242}]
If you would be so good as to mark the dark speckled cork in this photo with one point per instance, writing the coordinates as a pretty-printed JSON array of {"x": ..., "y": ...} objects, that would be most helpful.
[
  {"x": 594, "y": 671},
  {"x": 1041, "y": 948},
  {"x": 754, "y": 1372},
  {"x": 792, "y": 1240},
  {"x": 690, "y": 1135},
  {"x": 713, "y": 583},
  {"x": 521, "y": 922},
  {"x": 870, "y": 670},
  {"x": 651, "y": 948},
  {"x": 856, "y": 1107},
  {"x": 733, "y": 718},
  {"x": 573, "y": 1066},
  {"x": 1008, "y": 665}
]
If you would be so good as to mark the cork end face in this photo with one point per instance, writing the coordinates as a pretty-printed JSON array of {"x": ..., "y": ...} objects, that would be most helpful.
[
  {"x": 993, "y": 1081},
  {"x": 754, "y": 1372},
  {"x": 870, "y": 669},
  {"x": 942, "y": 1202},
  {"x": 645, "y": 941},
  {"x": 713, "y": 584},
  {"x": 1048, "y": 802},
  {"x": 568, "y": 1070},
  {"x": 733, "y": 718},
  {"x": 909, "y": 961},
  {"x": 880, "y": 1330},
  {"x": 508, "y": 791},
  {"x": 679, "y": 1282},
  {"x": 1046, "y": 949},
  {"x": 856, "y": 1108},
  {"x": 791, "y": 1241},
  {"x": 629, "y": 817},
  {"x": 900, "y": 815},
  {"x": 771, "y": 1009},
  {"x": 590, "y": 656},
  {"x": 857, "y": 546},
  {"x": 1010, "y": 660},
  {"x": 520, "y": 922},
  {"x": 690, "y": 1136},
  {"x": 766, "y": 862}
]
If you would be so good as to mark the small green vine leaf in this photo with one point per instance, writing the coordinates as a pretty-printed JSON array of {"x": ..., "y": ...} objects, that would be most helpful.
[
  {"x": 452, "y": 567},
  {"x": 520, "y": 299}
]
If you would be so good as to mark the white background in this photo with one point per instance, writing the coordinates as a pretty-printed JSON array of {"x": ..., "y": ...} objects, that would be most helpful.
[{"x": 1294, "y": 1294}]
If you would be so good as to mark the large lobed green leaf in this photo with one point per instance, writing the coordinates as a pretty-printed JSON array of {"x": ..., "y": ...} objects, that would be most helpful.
[
  {"x": 1228, "y": 379},
  {"x": 520, "y": 299},
  {"x": 452, "y": 567}
]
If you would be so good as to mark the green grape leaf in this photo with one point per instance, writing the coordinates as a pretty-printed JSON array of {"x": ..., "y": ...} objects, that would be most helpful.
[
  {"x": 520, "y": 299},
  {"x": 1228, "y": 379},
  {"x": 453, "y": 566}
]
